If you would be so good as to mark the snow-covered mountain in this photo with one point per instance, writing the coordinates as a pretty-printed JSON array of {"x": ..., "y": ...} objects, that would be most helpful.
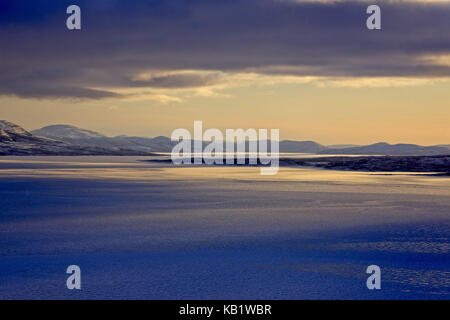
[
  {"x": 8, "y": 129},
  {"x": 65, "y": 131},
  {"x": 14, "y": 140},
  {"x": 11, "y": 133},
  {"x": 70, "y": 140},
  {"x": 87, "y": 138}
]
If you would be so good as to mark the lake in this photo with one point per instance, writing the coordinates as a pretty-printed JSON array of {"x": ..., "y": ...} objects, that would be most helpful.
[{"x": 143, "y": 230}]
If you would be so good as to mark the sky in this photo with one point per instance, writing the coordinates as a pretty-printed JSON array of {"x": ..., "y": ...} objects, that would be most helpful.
[{"x": 309, "y": 68}]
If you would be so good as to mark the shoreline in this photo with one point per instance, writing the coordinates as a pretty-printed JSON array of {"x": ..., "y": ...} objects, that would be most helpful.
[{"x": 440, "y": 165}]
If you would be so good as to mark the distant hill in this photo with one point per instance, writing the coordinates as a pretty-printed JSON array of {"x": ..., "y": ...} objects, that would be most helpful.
[
  {"x": 157, "y": 144},
  {"x": 87, "y": 138},
  {"x": 341, "y": 146},
  {"x": 70, "y": 140},
  {"x": 65, "y": 131},
  {"x": 383, "y": 148},
  {"x": 91, "y": 139},
  {"x": 300, "y": 146}
]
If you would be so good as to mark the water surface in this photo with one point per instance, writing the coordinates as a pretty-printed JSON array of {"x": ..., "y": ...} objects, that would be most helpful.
[{"x": 142, "y": 230}]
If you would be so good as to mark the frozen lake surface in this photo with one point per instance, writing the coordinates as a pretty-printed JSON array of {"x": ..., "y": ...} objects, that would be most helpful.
[{"x": 141, "y": 230}]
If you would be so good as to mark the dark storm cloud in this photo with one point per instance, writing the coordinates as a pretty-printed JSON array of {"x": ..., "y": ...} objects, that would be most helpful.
[
  {"x": 25, "y": 90},
  {"x": 120, "y": 39},
  {"x": 178, "y": 80}
]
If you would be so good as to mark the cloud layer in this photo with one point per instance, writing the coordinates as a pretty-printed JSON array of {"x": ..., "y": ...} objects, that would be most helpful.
[{"x": 181, "y": 44}]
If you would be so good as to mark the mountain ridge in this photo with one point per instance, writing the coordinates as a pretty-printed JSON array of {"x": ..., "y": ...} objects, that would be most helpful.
[
  {"x": 63, "y": 130},
  {"x": 14, "y": 140},
  {"x": 71, "y": 140}
]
